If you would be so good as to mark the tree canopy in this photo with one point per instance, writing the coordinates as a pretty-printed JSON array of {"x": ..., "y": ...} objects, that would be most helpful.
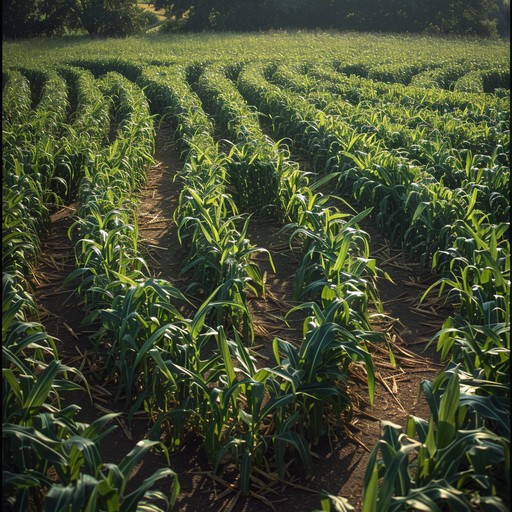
[
  {"x": 27, "y": 18},
  {"x": 474, "y": 17}
]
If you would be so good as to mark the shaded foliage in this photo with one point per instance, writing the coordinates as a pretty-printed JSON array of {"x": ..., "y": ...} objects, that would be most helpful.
[
  {"x": 475, "y": 17},
  {"x": 27, "y": 18},
  {"x": 30, "y": 18},
  {"x": 110, "y": 17}
]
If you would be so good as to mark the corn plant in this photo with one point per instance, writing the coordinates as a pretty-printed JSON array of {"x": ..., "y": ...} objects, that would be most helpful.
[
  {"x": 51, "y": 113},
  {"x": 444, "y": 77},
  {"x": 101, "y": 66},
  {"x": 334, "y": 252},
  {"x": 132, "y": 325},
  {"x": 16, "y": 105},
  {"x": 57, "y": 158},
  {"x": 433, "y": 107},
  {"x": 222, "y": 400},
  {"x": 40, "y": 436},
  {"x": 317, "y": 371},
  {"x": 393, "y": 73},
  {"x": 83, "y": 479},
  {"x": 455, "y": 463},
  {"x": 171, "y": 97},
  {"x": 26, "y": 151},
  {"x": 106, "y": 231},
  {"x": 470, "y": 82},
  {"x": 479, "y": 279},
  {"x": 495, "y": 79}
]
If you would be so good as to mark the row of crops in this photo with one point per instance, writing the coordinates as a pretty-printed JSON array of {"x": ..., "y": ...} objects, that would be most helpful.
[{"x": 429, "y": 166}]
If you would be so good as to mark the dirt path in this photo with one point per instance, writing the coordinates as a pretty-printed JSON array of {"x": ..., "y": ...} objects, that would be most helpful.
[
  {"x": 268, "y": 312},
  {"x": 157, "y": 230},
  {"x": 339, "y": 459}
]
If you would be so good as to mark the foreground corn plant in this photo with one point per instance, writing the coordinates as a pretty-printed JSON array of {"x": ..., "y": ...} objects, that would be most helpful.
[
  {"x": 40, "y": 437},
  {"x": 222, "y": 399},
  {"x": 458, "y": 459}
]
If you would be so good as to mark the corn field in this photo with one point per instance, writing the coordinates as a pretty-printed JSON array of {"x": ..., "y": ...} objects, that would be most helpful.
[{"x": 319, "y": 137}]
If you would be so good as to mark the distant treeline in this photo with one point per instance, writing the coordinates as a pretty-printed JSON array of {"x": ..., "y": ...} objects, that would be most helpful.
[
  {"x": 28, "y": 18},
  {"x": 475, "y": 17}
]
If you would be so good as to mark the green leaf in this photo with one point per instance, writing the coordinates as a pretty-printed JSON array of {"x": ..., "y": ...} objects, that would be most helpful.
[
  {"x": 136, "y": 454},
  {"x": 131, "y": 502},
  {"x": 371, "y": 491},
  {"x": 226, "y": 355},
  {"x": 41, "y": 388},
  {"x": 448, "y": 407},
  {"x": 245, "y": 472}
]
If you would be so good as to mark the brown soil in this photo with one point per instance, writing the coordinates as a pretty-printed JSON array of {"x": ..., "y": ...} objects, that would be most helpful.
[
  {"x": 339, "y": 459},
  {"x": 157, "y": 230}
]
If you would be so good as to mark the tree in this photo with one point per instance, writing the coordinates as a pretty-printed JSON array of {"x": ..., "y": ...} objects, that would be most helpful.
[
  {"x": 471, "y": 17},
  {"x": 501, "y": 14},
  {"x": 109, "y": 17},
  {"x": 29, "y": 18}
]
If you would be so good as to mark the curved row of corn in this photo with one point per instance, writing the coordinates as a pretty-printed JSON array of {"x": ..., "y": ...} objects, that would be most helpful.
[{"x": 458, "y": 76}]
